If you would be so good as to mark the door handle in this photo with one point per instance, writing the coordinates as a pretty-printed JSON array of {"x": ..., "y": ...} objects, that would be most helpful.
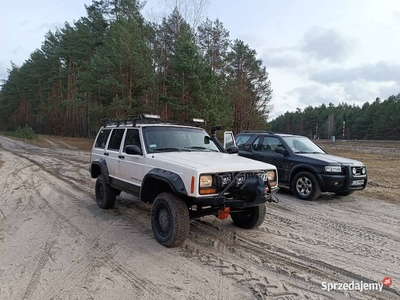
[
  {"x": 121, "y": 156},
  {"x": 106, "y": 154}
]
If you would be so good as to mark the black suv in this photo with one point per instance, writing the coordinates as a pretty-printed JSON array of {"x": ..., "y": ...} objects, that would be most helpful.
[{"x": 302, "y": 165}]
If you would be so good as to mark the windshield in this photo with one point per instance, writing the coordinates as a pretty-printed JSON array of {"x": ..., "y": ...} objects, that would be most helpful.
[
  {"x": 300, "y": 144},
  {"x": 169, "y": 139}
]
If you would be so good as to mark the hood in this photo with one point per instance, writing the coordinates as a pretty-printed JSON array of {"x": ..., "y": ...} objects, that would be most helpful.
[
  {"x": 211, "y": 161},
  {"x": 333, "y": 159}
]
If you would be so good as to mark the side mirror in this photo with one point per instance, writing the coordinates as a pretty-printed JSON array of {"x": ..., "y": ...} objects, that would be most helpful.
[
  {"x": 232, "y": 150},
  {"x": 133, "y": 150},
  {"x": 281, "y": 150}
]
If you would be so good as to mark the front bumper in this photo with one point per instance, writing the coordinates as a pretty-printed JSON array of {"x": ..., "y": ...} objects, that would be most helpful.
[
  {"x": 342, "y": 182},
  {"x": 252, "y": 194}
]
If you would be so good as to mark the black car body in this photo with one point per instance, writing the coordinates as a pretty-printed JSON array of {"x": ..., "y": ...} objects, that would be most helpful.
[{"x": 302, "y": 165}]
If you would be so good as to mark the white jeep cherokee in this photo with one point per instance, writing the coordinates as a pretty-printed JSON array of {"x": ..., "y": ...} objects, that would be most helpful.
[{"x": 182, "y": 171}]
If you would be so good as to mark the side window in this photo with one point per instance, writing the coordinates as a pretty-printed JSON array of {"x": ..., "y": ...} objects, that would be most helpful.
[
  {"x": 102, "y": 138},
  {"x": 270, "y": 143},
  {"x": 132, "y": 138},
  {"x": 257, "y": 144},
  {"x": 265, "y": 146},
  {"x": 241, "y": 140},
  {"x": 115, "y": 139}
]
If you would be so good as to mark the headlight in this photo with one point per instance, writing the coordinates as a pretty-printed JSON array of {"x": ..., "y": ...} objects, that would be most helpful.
[
  {"x": 363, "y": 170},
  {"x": 272, "y": 178},
  {"x": 205, "y": 181},
  {"x": 336, "y": 169},
  {"x": 206, "y": 185},
  {"x": 271, "y": 175}
]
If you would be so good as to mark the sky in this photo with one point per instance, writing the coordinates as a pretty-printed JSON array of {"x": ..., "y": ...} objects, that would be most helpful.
[{"x": 315, "y": 51}]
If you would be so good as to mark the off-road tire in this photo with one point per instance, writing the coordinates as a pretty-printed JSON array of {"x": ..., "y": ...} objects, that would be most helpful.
[
  {"x": 306, "y": 186},
  {"x": 250, "y": 218},
  {"x": 105, "y": 194},
  {"x": 170, "y": 220}
]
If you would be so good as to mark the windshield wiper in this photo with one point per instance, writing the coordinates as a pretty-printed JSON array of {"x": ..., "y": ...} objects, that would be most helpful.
[
  {"x": 200, "y": 148},
  {"x": 168, "y": 149}
]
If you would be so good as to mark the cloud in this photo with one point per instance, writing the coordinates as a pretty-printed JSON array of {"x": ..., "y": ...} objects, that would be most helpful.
[
  {"x": 325, "y": 44},
  {"x": 379, "y": 72},
  {"x": 281, "y": 58}
]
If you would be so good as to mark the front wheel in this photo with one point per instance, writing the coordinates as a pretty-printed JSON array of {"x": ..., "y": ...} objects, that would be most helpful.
[
  {"x": 305, "y": 186},
  {"x": 250, "y": 218},
  {"x": 105, "y": 194},
  {"x": 170, "y": 220}
]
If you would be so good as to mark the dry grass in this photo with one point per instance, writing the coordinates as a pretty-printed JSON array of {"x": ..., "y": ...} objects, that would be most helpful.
[
  {"x": 382, "y": 159},
  {"x": 46, "y": 141}
]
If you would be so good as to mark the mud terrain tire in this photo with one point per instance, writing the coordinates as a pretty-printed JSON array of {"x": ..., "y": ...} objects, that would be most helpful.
[
  {"x": 251, "y": 218},
  {"x": 170, "y": 220},
  {"x": 306, "y": 186},
  {"x": 105, "y": 194}
]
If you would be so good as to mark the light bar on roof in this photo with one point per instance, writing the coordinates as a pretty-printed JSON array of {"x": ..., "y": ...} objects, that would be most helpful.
[
  {"x": 149, "y": 116},
  {"x": 196, "y": 120}
]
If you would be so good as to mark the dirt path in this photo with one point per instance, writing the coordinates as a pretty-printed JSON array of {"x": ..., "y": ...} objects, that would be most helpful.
[{"x": 55, "y": 243}]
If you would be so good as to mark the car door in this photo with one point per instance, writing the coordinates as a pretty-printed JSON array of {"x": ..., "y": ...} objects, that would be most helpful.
[
  {"x": 131, "y": 167},
  {"x": 113, "y": 152},
  {"x": 268, "y": 154}
]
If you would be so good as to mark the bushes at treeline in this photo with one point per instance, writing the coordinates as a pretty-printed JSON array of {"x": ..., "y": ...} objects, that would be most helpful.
[{"x": 25, "y": 132}]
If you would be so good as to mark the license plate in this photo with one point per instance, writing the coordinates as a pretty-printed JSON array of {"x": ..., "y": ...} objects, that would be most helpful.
[{"x": 358, "y": 182}]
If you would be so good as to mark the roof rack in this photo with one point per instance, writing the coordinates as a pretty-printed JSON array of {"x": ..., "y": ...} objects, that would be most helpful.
[
  {"x": 133, "y": 120},
  {"x": 258, "y": 131},
  {"x": 148, "y": 118}
]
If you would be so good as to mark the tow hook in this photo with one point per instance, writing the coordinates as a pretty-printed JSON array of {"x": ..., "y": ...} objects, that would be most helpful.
[{"x": 274, "y": 199}]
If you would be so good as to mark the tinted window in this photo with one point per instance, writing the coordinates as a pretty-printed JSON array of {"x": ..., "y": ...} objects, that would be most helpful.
[
  {"x": 115, "y": 140},
  {"x": 132, "y": 138},
  {"x": 102, "y": 138},
  {"x": 241, "y": 140},
  {"x": 270, "y": 144},
  {"x": 257, "y": 144}
]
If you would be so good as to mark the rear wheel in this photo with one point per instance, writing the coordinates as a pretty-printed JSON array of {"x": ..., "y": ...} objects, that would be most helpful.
[
  {"x": 250, "y": 218},
  {"x": 305, "y": 186},
  {"x": 170, "y": 220},
  {"x": 105, "y": 194}
]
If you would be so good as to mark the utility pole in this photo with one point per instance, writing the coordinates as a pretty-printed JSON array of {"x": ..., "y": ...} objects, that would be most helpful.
[{"x": 344, "y": 125}]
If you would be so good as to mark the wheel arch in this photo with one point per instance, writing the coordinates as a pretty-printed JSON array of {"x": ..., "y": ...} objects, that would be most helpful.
[
  {"x": 99, "y": 167},
  {"x": 305, "y": 168},
  {"x": 158, "y": 181}
]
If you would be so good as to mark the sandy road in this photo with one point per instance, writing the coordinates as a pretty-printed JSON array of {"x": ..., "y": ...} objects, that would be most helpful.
[{"x": 55, "y": 243}]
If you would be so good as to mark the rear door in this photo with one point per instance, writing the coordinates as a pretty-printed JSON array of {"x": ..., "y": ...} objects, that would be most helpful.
[
  {"x": 113, "y": 151},
  {"x": 266, "y": 152}
]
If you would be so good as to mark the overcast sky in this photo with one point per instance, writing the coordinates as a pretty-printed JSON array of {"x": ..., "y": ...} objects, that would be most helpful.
[{"x": 315, "y": 51}]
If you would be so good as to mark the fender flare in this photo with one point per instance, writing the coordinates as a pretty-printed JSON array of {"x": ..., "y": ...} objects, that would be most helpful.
[
  {"x": 173, "y": 180},
  {"x": 102, "y": 164}
]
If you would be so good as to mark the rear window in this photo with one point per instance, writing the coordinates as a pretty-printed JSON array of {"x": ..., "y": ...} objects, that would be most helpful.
[{"x": 102, "y": 138}]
